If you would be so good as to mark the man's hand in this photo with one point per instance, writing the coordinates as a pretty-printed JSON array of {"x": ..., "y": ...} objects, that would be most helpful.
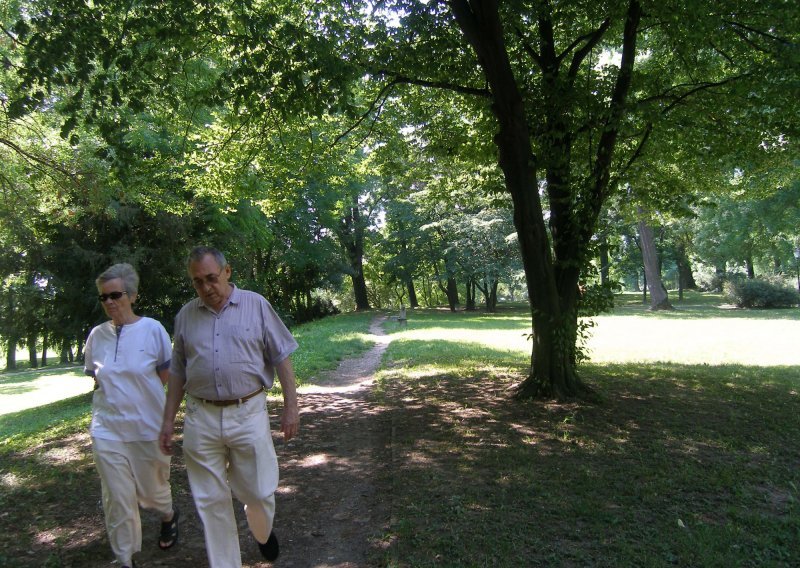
[
  {"x": 165, "y": 437},
  {"x": 290, "y": 422}
]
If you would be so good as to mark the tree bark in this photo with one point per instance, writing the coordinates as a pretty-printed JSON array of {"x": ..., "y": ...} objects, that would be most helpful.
[
  {"x": 11, "y": 353},
  {"x": 658, "y": 294},
  {"x": 685, "y": 276},
  {"x": 720, "y": 272},
  {"x": 751, "y": 271},
  {"x": 469, "y": 305},
  {"x": 452, "y": 294},
  {"x": 412, "y": 294},
  {"x": 604, "y": 260},
  {"x": 44, "y": 350},
  {"x": 351, "y": 234},
  {"x": 33, "y": 357}
]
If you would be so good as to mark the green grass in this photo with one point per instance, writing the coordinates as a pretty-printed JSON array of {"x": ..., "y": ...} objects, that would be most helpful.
[
  {"x": 29, "y": 388},
  {"x": 677, "y": 464},
  {"x": 688, "y": 457},
  {"x": 325, "y": 342}
]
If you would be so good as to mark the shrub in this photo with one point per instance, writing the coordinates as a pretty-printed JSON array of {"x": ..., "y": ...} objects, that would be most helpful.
[{"x": 761, "y": 293}]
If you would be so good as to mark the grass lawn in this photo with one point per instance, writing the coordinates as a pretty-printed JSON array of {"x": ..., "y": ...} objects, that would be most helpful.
[
  {"x": 26, "y": 389},
  {"x": 690, "y": 457}
]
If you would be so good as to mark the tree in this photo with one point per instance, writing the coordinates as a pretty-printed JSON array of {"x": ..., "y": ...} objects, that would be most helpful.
[
  {"x": 570, "y": 127},
  {"x": 569, "y": 93},
  {"x": 652, "y": 267}
]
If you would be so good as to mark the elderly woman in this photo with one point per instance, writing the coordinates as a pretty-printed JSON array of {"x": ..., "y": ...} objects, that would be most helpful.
[{"x": 129, "y": 358}]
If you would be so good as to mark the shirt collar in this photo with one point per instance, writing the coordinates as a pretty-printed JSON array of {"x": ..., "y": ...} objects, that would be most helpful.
[{"x": 233, "y": 298}]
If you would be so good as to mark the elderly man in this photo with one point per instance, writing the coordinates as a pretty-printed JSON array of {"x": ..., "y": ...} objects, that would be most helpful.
[{"x": 227, "y": 346}]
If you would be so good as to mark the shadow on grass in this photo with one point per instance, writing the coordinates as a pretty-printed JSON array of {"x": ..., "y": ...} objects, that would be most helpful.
[
  {"x": 21, "y": 387},
  {"x": 698, "y": 305},
  {"x": 684, "y": 465},
  {"x": 20, "y": 425}
]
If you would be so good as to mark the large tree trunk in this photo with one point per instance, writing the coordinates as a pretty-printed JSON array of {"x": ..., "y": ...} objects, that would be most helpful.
[
  {"x": 352, "y": 236},
  {"x": 552, "y": 282},
  {"x": 66, "y": 352},
  {"x": 360, "y": 291},
  {"x": 412, "y": 294},
  {"x": 11, "y": 353},
  {"x": 33, "y": 357},
  {"x": 44, "y": 350},
  {"x": 658, "y": 294},
  {"x": 751, "y": 271},
  {"x": 604, "y": 260},
  {"x": 471, "y": 292},
  {"x": 452, "y": 294},
  {"x": 685, "y": 276}
]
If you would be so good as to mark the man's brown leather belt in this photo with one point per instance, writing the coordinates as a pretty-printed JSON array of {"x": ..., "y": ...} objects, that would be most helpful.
[{"x": 234, "y": 401}]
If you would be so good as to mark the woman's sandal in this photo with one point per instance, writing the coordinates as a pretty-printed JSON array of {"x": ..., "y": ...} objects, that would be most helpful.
[{"x": 169, "y": 531}]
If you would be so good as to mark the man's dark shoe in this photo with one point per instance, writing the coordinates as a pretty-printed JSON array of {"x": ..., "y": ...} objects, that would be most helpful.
[{"x": 270, "y": 549}]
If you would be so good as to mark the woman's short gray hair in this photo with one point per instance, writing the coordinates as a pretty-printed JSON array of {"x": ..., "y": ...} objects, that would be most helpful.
[
  {"x": 199, "y": 253},
  {"x": 123, "y": 271}
]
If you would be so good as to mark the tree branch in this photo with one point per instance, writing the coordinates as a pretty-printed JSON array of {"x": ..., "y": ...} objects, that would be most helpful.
[
  {"x": 779, "y": 39},
  {"x": 400, "y": 79},
  {"x": 592, "y": 40},
  {"x": 696, "y": 88},
  {"x": 529, "y": 49},
  {"x": 639, "y": 148},
  {"x": 38, "y": 159},
  {"x": 382, "y": 94}
]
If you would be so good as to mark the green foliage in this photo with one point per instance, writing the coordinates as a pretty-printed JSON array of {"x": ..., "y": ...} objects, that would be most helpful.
[
  {"x": 214, "y": 110},
  {"x": 761, "y": 293}
]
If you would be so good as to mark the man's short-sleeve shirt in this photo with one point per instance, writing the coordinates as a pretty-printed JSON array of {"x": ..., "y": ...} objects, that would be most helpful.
[{"x": 230, "y": 354}]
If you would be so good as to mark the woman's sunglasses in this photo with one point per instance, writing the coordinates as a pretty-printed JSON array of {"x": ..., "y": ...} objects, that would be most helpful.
[{"x": 112, "y": 295}]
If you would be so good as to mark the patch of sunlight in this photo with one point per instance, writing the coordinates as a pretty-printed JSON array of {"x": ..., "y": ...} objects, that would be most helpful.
[
  {"x": 712, "y": 341},
  {"x": 11, "y": 480},
  {"x": 417, "y": 458},
  {"x": 42, "y": 390},
  {"x": 62, "y": 455},
  {"x": 629, "y": 339},
  {"x": 501, "y": 339},
  {"x": 314, "y": 460}
]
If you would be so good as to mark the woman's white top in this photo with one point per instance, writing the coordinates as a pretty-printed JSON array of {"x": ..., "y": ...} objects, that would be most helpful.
[{"x": 128, "y": 404}]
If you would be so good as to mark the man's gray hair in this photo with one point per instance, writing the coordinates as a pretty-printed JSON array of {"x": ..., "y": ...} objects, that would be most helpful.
[
  {"x": 123, "y": 271},
  {"x": 198, "y": 253}
]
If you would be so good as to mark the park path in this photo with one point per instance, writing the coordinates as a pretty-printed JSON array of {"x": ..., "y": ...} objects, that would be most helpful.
[{"x": 331, "y": 502}]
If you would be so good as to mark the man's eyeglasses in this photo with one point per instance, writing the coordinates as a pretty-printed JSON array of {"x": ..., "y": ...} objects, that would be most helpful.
[
  {"x": 112, "y": 295},
  {"x": 210, "y": 279}
]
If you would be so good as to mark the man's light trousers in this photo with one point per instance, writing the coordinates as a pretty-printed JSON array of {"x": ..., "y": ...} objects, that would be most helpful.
[{"x": 229, "y": 449}]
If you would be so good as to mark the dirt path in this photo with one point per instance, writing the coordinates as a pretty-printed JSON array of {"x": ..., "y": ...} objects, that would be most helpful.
[{"x": 329, "y": 502}]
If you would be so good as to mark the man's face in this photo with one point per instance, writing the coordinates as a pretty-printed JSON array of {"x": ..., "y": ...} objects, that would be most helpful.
[{"x": 210, "y": 281}]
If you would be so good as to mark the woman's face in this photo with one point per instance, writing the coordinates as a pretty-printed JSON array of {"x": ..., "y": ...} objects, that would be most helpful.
[{"x": 116, "y": 302}]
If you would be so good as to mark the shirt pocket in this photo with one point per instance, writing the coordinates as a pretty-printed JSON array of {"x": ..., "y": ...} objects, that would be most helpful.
[{"x": 245, "y": 344}]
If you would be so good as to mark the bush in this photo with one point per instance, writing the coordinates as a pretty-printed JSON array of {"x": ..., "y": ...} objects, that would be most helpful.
[{"x": 761, "y": 293}]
